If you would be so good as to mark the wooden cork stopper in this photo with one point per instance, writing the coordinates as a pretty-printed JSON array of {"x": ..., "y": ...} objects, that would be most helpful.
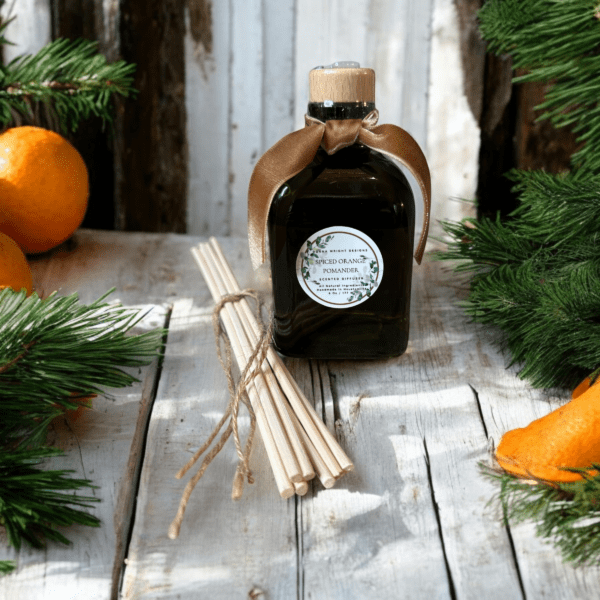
[{"x": 342, "y": 85}]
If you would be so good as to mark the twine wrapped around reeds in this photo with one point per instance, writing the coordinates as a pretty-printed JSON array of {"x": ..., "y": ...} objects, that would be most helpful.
[{"x": 297, "y": 442}]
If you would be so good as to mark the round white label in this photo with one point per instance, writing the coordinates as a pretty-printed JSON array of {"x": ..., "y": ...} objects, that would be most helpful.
[{"x": 339, "y": 267}]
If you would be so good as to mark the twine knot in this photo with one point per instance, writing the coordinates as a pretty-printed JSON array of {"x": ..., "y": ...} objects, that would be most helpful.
[{"x": 237, "y": 394}]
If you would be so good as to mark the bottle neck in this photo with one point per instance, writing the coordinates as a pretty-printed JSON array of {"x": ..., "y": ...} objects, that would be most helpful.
[{"x": 339, "y": 110}]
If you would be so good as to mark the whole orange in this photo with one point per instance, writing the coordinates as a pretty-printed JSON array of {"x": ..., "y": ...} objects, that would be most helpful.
[
  {"x": 43, "y": 188},
  {"x": 14, "y": 268}
]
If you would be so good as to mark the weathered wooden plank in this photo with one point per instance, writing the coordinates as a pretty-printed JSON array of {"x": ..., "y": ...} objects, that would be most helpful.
[
  {"x": 30, "y": 30},
  {"x": 375, "y": 534},
  {"x": 105, "y": 445},
  {"x": 225, "y": 549},
  {"x": 143, "y": 267},
  {"x": 208, "y": 49},
  {"x": 278, "y": 94},
  {"x": 239, "y": 98},
  {"x": 247, "y": 81},
  {"x": 150, "y": 136},
  {"x": 376, "y": 35},
  {"x": 412, "y": 520},
  {"x": 452, "y": 128},
  {"x": 505, "y": 402}
]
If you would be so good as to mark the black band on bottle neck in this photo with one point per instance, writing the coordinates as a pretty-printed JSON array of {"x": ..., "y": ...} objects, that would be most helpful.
[{"x": 326, "y": 111}]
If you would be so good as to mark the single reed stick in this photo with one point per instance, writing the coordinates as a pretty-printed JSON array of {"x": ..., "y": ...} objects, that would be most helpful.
[
  {"x": 284, "y": 485},
  {"x": 325, "y": 442},
  {"x": 280, "y": 401},
  {"x": 301, "y": 488}
]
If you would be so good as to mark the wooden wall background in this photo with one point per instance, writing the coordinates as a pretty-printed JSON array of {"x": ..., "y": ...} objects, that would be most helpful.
[{"x": 221, "y": 80}]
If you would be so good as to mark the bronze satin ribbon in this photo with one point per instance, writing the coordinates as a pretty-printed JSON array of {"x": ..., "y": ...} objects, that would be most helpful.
[{"x": 296, "y": 151}]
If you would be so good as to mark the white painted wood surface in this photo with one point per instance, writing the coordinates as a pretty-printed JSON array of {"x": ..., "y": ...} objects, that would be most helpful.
[
  {"x": 412, "y": 520},
  {"x": 30, "y": 29},
  {"x": 249, "y": 87},
  {"x": 104, "y": 445},
  {"x": 453, "y": 135}
]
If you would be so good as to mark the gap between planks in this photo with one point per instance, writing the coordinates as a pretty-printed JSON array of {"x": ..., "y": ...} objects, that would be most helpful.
[{"x": 127, "y": 498}]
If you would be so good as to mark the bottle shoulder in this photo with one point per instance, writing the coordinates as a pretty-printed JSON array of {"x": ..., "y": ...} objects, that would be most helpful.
[{"x": 356, "y": 171}]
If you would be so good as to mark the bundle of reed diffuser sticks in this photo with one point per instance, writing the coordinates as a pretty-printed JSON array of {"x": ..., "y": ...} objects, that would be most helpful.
[{"x": 298, "y": 444}]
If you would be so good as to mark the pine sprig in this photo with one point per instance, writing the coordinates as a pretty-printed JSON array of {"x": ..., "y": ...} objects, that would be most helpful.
[
  {"x": 559, "y": 209},
  {"x": 34, "y": 502},
  {"x": 544, "y": 298},
  {"x": 56, "y": 351},
  {"x": 70, "y": 76},
  {"x": 566, "y": 514},
  {"x": 53, "y": 353},
  {"x": 558, "y": 42}
]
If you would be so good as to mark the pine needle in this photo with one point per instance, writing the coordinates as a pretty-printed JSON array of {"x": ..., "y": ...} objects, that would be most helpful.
[
  {"x": 568, "y": 515},
  {"x": 34, "y": 502},
  {"x": 53, "y": 352},
  {"x": 70, "y": 77},
  {"x": 556, "y": 42},
  {"x": 7, "y": 566}
]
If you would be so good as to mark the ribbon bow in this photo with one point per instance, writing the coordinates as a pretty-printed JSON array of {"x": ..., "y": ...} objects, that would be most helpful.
[{"x": 296, "y": 151}]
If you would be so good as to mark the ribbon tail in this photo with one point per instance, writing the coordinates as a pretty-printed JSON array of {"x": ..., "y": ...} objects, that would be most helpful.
[
  {"x": 396, "y": 143},
  {"x": 282, "y": 161}
]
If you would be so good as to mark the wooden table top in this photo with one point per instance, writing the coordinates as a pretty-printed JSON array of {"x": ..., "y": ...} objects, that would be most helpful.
[{"x": 413, "y": 520}]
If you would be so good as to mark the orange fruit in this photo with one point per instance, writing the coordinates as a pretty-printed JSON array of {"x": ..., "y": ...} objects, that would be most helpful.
[
  {"x": 84, "y": 403},
  {"x": 43, "y": 188},
  {"x": 14, "y": 268}
]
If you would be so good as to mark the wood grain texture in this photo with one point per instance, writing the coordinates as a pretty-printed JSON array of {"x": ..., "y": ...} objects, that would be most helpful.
[
  {"x": 105, "y": 445},
  {"x": 413, "y": 520},
  {"x": 452, "y": 127},
  {"x": 247, "y": 81},
  {"x": 140, "y": 266},
  {"x": 224, "y": 548},
  {"x": 151, "y": 179},
  {"x": 207, "y": 97},
  {"x": 30, "y": 30}
]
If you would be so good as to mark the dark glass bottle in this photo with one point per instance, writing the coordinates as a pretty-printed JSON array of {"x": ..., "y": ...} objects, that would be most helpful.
[{"x": 341, "y": 242}]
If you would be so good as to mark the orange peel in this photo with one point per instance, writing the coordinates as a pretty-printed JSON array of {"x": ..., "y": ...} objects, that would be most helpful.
[{"x": 566, "y": 438}]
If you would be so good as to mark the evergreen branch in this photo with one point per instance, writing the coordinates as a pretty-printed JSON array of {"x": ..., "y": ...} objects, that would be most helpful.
[
  {"x": 557, "y": 42},
  {"x": 4, "y": 23},
  {"x": 71, "y": 76},
  {"x": 34, "y": 502},
  {"x": 557, "y": 209},
  {"x": 54, "y": 352},
  {"x": 536, "y": 277},
  {"x": 482, "y": 245},
  {"x": 544, "y": 304},
  {"x": 568, "y": 514}
]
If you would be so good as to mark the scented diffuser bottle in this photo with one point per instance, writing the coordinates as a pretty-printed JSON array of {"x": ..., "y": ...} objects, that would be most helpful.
[{"x": 341, "y": 234}]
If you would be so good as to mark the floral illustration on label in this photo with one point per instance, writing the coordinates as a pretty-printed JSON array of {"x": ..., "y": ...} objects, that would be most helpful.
[{"x": 339, "y": 267}]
